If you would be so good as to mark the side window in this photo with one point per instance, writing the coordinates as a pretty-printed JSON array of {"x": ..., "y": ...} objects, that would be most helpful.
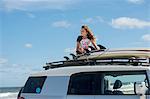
[
  {"x": 107, "y": 83},
  {"x": 124, "y": 83},
  {"x": 83, "y": 84},
  {"x": 34, "y": 85}
]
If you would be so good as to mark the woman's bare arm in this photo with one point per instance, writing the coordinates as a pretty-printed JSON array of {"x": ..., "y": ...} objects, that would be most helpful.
[
  {"x": 78, "y": 48},
  {"x": 94, "y": 44}
]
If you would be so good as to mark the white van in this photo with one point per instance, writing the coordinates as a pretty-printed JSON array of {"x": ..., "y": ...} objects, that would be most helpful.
[
  {"x": 89, "y": 82},
  {"x": 114, "y": 80}
]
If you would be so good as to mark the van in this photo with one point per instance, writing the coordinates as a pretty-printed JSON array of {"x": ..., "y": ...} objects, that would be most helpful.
[{"x": 88, "y": 80}]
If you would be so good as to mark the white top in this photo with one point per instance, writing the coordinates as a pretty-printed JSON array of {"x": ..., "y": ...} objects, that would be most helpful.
[
  {"x": 85, "y": 43},
  {"x": 68, "y": 71}
]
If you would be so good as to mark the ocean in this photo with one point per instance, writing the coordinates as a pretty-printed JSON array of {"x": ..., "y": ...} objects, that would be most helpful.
[{"x": 9, "y": 92}]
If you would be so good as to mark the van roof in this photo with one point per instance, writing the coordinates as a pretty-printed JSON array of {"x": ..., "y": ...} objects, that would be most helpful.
[{"x": 68, "y": 71}]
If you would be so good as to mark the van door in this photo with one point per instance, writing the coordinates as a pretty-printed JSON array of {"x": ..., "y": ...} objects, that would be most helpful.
[
  {"x": 81, "y": 86},
  {"x": 121, "y": 85}
]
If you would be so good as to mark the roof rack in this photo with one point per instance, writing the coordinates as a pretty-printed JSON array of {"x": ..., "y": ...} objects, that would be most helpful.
[{"x": 94, "y": 62}]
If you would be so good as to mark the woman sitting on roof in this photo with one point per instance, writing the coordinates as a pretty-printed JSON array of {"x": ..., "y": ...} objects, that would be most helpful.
[{"x": 84, "y": 41}]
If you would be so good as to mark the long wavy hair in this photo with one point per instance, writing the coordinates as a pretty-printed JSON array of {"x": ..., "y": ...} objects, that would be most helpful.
[{"x": 90, "y": 34}]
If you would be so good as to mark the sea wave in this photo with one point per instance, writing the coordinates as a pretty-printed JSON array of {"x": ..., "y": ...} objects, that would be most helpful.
[{"x": 9, "y": 95}]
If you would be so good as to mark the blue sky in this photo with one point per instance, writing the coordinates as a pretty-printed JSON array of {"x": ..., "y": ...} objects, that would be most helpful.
[{"x": 33, "y": 32}]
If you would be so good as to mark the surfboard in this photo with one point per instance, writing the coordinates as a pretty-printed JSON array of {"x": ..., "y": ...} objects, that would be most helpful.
[
  {"x": 118, "y": 53},
  {"x": 134, "y": 57}
]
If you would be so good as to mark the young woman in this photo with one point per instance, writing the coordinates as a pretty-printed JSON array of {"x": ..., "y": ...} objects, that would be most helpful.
[{"x": 84, "y": 40}]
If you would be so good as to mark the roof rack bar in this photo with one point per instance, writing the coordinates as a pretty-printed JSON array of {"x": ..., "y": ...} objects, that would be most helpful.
[{"x": 125, "y": 61}]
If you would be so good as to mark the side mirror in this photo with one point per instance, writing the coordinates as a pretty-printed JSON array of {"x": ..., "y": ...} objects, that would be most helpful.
[{"x": 140, "y": 88}]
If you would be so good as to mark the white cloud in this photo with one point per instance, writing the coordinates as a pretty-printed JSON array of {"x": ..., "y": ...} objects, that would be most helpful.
[
  {"x": 146, "y": 37},
  {"x": 30, "y": 5},
  {"x": 61, "y": 24},
  {"x": 18, "y": 67},
  {"x": 87, "y": 20},
  {"x": 28, "y": 45},
  {"x": 3, "y": 60},
  {"x": 144, "y": 41},
  {"x": 99, "y": 18},
  {"x": 136, "y": 1},
  {"x": 10, "y": 69},
  {"x": 92, "y": 20},
  {"x": 15, "y": 65},
  {"x": 97, "y": 37},
  {"x": 30, "y": 15},
  {"x": 127, "y": 22}
]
